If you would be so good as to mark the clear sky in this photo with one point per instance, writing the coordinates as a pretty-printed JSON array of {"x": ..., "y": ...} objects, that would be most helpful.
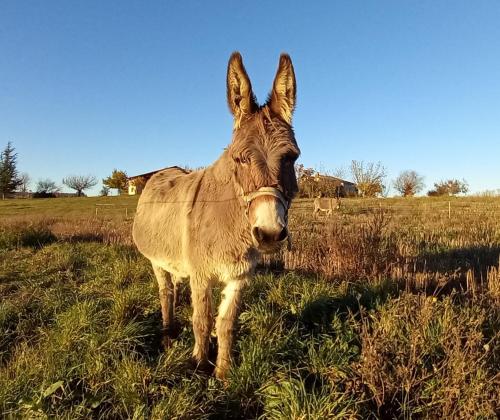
[{"x": 88, "y": 86}]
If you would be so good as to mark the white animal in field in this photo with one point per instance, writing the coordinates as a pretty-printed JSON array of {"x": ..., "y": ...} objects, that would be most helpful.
[{"x": 327, "y": 205}]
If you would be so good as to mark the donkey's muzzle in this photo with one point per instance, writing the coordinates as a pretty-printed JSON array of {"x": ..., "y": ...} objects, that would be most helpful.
[{"x": 269, "y": 237}]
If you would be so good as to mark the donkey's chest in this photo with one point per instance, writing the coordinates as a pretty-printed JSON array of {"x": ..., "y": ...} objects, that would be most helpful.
[{"x": 236, "y": 270}]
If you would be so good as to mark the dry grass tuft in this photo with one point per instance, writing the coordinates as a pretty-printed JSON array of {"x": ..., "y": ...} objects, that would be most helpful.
[{"x": 429, "y": 357}]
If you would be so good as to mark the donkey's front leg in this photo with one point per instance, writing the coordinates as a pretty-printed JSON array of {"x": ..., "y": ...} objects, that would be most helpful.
[
  {"x": 228, "y": 311},
  {"x": 201, "y": 296}
]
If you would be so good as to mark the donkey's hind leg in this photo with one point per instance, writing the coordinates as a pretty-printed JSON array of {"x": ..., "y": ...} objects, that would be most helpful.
[{"x": 166, "y": 292}]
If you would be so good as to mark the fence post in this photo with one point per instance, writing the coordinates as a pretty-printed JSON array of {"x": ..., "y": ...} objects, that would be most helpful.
[
  {"x": 126, "y": 212},
  {"x": 96, "y": 210},
  {"x": 449, "y": 209}
]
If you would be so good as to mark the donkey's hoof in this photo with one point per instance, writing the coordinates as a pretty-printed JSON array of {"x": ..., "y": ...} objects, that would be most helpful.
[
  {"x": 203, "y": 365},
  {"x": 166, "y": 341},
  {"x": 222, "y": 373}
]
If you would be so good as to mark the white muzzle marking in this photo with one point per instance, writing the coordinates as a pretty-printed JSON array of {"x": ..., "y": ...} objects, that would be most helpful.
[{"x": 270, "y": 215}]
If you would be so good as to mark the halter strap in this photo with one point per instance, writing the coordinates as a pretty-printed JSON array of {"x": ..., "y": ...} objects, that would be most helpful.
[{"x": 274, "y": 192}]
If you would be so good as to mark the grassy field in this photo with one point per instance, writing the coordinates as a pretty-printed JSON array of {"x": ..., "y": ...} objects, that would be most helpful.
[{"x": 387, "y": 309}]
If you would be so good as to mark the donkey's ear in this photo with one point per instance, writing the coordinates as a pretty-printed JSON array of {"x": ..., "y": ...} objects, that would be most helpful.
[
  {"x": 240, "y": 97},
  {"x": 282, "y": 97}
]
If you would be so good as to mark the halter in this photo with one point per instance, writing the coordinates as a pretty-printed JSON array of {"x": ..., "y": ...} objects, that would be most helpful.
[{"x": 273, "y": 192}]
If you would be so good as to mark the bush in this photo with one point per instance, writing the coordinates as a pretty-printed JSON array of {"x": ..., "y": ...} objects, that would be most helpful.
[
  {"x": 44, "y": 194},
  {"x": 449, "y": 187}
]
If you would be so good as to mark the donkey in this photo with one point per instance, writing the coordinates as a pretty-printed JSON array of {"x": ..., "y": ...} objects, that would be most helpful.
[
  {"x": 328, "y": 205},
  {"x": 211, "y": 225}
]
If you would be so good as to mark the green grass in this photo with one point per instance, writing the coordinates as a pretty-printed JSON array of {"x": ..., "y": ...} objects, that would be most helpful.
[
  {"x": 80, "y": 324},
  {"x": 81, "y": 338},
  {"x": 69, "y": 207}
]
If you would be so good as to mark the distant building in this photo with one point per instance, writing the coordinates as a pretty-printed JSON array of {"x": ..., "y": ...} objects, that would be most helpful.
[{"x": 343, "y": 188}]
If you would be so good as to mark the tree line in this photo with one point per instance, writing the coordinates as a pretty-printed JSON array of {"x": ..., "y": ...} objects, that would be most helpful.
[
  {"x": 11, "y": 181},
  {"x": 369, "y": 179}
]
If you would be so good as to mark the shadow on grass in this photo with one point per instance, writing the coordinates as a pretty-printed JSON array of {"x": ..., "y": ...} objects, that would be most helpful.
[
  {"x": 30, "y": 236},
  {"x": 319, "y": 313},
  {"x": 476, "y": 258},
  {"x": 437, "y": 273},
  {"x": 84, "y": 237}
]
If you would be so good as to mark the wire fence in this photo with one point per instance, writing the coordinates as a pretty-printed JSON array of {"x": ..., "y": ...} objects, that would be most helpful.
[
  {"x": 458, "y": 208},
  {"x": 448, "y": 208},
  {"x": 113, "y": 210}
]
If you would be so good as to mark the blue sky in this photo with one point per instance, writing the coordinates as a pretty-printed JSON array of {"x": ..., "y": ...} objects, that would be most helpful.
[{"x": 88, "y": 86}]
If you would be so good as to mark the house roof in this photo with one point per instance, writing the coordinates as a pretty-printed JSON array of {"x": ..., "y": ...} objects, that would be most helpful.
[{"x": 334, "y": 178}]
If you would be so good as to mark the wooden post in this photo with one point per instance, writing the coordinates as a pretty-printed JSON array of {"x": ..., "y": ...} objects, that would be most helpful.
[
  {"x": 449, "y": 209},
  {"x": 126, "y": 212},
  {"x": 96, "y": 210}
]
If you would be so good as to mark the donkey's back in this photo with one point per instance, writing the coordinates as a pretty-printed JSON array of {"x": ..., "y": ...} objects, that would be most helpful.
[{"x": 161, "y": 215}]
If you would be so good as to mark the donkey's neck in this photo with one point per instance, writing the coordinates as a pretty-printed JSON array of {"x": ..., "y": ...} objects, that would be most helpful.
[
  {"x": 225, "y": 189},
  {"x": 222, "y": 173},
  {"x": 222, "y": 168}
]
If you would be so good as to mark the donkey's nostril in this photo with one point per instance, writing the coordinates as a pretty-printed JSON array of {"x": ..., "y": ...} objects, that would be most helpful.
[
  {"x": 258, "y": 234},
  {"x": 263, "y": 236},
  {"x": 283, "y": 234}
]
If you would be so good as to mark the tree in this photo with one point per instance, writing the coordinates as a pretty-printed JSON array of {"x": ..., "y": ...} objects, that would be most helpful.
[
  {"x": 369, "y": 178},
  {"x": 140, "y": 183},
  {"x": 339, "y": 172},
  {"x": 104, "y": 191},
  {"x": 25, "y": 181},
  {"x": 9, "y": 180},
  {"x": 117, "y": 179},
  {"x": 449, "y": 187},
  {"x": 409, "y": 183},
  {"x": 45, "y": 188},
  {"x": 306, "y": 181},
  {"x": 79, "y": 183},
  {"x": 313, "y": 184}
]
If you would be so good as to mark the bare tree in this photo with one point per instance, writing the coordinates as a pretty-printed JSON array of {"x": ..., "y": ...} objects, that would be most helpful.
[
  {"x": 79, "y": 183},
  {"x": 104, "y": 191},
  {"x": 339, "y": 172},
  {"x": 25, "y": 180},
  {"x": 369, "y": 177},
  {"x": 409, "y": 183}
]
